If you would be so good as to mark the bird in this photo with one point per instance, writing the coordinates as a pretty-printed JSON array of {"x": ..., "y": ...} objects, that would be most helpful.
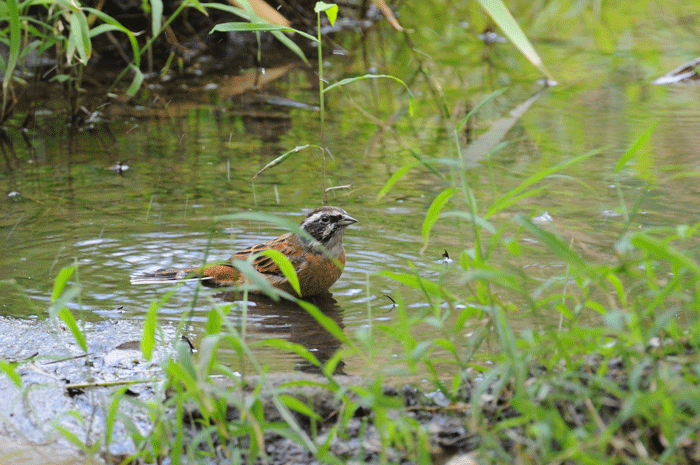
[{"x": 318, "y": 260}]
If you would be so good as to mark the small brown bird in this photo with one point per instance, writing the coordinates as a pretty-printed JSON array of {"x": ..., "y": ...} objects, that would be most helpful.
[{"x": 316, "y": 267}]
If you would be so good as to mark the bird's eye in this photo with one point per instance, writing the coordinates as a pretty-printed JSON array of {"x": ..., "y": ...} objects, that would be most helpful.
[{"x": 325, "y": 219}]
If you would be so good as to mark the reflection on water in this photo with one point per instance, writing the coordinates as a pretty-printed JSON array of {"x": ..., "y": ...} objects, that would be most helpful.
[{"x": 286, "y": 320}]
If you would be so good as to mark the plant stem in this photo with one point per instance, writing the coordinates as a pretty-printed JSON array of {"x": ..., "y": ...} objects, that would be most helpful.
[{"x": 321, "y": 106}]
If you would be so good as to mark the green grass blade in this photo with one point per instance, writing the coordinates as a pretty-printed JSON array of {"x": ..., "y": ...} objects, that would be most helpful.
[
  {"x": 282, "y": 158},
  {"x": 506, "y": 200},
  {"x": 660, "y": 250},
  {"x": 258, "y": 27},
  {"x": 400, "y": 173},
  {"x": 433, "y": 213},
  {"x": 67, "y": 317},
  {"x": 60, "y": 282},
  {"x": 553, "y": 243},
  {"x": 108, "y": 20},
  {"x": 15, "y": 41},
  {"x": 285, "y": 266},
  {"x": 511, "y": 29},
  {"x": 148, "y": 340},
  {"x": 156, "y": 16},
  {"x": 473, "y": 111},
  {"x": 346, "y": 81},
  {"x": 634, "y": 148},
  {"x": 10, "y": 372},
  {"x": 136, "y": 82},
  {"x": 327, "y": 322}
]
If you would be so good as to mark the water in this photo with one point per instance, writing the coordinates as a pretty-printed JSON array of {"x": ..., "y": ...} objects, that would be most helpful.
[{"x": 188, "y": 164}]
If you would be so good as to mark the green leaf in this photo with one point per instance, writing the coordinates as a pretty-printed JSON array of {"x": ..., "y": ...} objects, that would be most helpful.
[
  {"x": 506, "y": 200},
  {"x": 331, "y": 10},
  {"x": 327, "y": 322},
  {"x": 289, "y": 43},
  {"x": 15, "y": 42},
  {"x": 79, "y": 38},
  {"x": 553, "y": 243},
  {"x": 11, "y": 373},
  {"x": 136, "y": 83},
  {"x": 473, "y": 111},
  {"x": 62, "y": 300},
  {"x": 298, "y": 406},
  {"x": 400, "y": 173},
  {"x": 156, "y": 16},
  {"x": 258, "y": 27},
  {"x": 660, "y": 250},
  {"x": 108, "y": 20},
  {"x": 638, "y": 144},
  {"x": 346, "y": 81},
  {"x": 256, "y": 279},
  {"x": 214, "y": 322},
  {"x": 415, "y": 282},
  {"x": 285, "y": 266},
  {"x": 282, "y": 158},
  {"x": 67, "y": 317},
  {"x": 433, "y": 212},
  {"x": 60, "y": 282},
  {"x": 287, "y": 346},
  {"x": 148, "y": 341},
  {"x": 323, "y": 6},
  {"x": 502, "y": 17}
]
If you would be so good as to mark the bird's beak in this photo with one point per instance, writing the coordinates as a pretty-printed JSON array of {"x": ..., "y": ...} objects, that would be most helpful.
[{"x": 347, "y": 220}]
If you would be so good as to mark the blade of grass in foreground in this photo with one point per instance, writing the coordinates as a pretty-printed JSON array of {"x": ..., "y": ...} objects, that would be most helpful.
[{"x": 502, "y": 17}]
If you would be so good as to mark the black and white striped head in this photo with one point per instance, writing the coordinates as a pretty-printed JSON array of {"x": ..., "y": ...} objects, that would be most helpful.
[{"x": 326, "y": 225}]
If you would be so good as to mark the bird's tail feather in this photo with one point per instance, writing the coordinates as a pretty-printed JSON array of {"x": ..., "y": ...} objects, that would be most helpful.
[{"x": 162, "y": 276}]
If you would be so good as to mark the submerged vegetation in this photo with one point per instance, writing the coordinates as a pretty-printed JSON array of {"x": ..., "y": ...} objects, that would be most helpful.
[{"x": 613, "y": 380}]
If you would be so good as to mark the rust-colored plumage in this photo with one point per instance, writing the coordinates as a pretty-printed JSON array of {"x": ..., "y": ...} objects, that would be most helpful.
[{"x": 316, "y": 267}]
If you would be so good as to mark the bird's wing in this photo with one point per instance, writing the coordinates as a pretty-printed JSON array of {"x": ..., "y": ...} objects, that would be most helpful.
[{"x": 288, "y": 244}]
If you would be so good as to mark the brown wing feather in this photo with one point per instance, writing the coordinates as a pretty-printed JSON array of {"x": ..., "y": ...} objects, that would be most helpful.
[{"x": 288, "y": 244}]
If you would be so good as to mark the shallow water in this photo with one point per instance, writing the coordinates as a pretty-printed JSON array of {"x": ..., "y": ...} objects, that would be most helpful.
[{"x": 61, "y": 204}]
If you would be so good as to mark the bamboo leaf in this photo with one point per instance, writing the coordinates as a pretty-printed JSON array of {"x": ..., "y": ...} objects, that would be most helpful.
[
  {"x": 60, "y": 282},
  {"x": 433, "y": 212},
  {"x": 136, "y": 83},
  {"x": 331, "y": 10},
  {"x": 282, "y": 158},
  {"x": 15, "y": 42},
  {"x": 400, "y": 173},
  {"x": 285, "y": 266},
  {"x": 298, "y": 406},
  {"x": 148, "y": 340},
  {"x": 156, "y": 16},
  {"x": 510, "y": 27},
  {"x": 634, "y": 148},
  {"x": 10, "y": 372},
  {"x": 67, "y": 317},
  {"x": 553, "y": 243},
  {"x": 346, "y": 81}
]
